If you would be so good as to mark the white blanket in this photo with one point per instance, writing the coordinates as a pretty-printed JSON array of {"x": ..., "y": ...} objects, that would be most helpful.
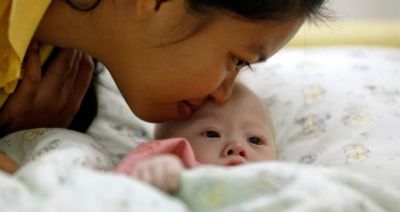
[
  {"x": 51, "y": 183},
  {"x": 66, "y": 171}
]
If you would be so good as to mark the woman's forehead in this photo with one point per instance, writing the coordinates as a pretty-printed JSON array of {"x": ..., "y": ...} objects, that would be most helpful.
[{"x": 256, "y": 38}]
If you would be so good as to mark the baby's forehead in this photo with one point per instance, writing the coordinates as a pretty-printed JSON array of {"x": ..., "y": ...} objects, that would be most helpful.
[
  {"x": 243, "y": 103},
  {"x": 249, "y": 111},
  {"x": 243, "y": 100}
]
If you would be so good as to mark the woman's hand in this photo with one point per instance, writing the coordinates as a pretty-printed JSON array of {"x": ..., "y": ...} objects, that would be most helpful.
[
  {"x": 7, "y": 165},
  {"x": 161, "y": 171},
  {"x": 50, "y": 98}
]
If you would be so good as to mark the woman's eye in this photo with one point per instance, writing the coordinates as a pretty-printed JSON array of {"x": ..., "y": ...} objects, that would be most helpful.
[
  {"x": 255, "y": 140},
  {"x": 211, "y": 134},
  {"x": 239, "y": 64}
]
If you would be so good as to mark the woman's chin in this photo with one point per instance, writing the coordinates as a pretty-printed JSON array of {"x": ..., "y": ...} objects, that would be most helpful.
[{"x": 157, "y": 117}]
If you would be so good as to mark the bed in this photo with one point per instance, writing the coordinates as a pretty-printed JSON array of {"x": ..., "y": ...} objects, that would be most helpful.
[{"x": 335, "y": 108}]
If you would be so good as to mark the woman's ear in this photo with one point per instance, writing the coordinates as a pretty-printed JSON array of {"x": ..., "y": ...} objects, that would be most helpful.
[
  {"x": 146, "y": 9},
  {"x": 159, "y": 2},
  {"x": 167, "y": 20}
]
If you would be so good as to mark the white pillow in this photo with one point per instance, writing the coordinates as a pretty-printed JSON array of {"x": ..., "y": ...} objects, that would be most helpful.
[{"x": 335, "y": 106}]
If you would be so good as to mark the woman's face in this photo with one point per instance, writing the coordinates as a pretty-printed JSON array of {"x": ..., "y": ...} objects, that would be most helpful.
[{"x": 170, "y": 81}]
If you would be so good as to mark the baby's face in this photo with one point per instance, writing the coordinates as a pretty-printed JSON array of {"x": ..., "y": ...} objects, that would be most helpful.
[{"x": 236, "y": 132}]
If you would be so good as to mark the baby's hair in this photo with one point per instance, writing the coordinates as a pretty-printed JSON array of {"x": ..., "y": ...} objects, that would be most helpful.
[{"x": 261, "y": 10}]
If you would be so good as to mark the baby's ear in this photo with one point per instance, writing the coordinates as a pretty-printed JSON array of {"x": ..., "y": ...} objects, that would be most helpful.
[{"x": 145, "y": 8}]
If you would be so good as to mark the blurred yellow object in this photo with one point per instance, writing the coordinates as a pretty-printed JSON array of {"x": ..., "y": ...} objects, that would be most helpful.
[
  {"x": 351, "y": 32},
  {"x": 18, "y": 22}
]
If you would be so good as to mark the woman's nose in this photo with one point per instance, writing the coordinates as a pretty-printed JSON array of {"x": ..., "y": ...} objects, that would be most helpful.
[
  {"x": 234, "y": 149},
  {"x": 222, "y": 94}
]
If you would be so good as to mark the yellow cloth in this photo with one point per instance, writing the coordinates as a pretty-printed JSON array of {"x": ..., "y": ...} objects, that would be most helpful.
[
  {"x": 350, "y": 32},
  {"x": 18, "y": 22}
]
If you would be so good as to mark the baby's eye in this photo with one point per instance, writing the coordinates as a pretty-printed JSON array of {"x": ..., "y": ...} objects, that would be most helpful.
[
  {"x": 211, "y": 134},
  {"x": 255, "y": 140}
]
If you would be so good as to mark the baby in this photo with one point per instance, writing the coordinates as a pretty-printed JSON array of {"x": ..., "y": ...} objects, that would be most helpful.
[{"x": 234, "y": 133}]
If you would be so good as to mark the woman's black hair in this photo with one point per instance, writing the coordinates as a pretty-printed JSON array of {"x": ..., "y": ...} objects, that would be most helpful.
[{"x": 277, "y": 10}]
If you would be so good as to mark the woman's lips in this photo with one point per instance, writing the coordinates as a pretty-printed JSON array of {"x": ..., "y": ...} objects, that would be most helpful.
[
  {"x": 194, "y": 106},
  {"x": 186, "y": 109}
]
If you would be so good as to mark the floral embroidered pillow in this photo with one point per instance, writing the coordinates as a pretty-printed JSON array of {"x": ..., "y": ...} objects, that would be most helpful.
[{"x": 335, "y": 106}]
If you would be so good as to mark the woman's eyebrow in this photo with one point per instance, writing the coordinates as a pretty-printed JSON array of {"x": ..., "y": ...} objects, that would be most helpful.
[{"x": 260, "y": 50}]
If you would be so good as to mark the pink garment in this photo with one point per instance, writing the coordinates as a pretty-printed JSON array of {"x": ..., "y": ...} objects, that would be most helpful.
[{"x": 177, "y": 146}]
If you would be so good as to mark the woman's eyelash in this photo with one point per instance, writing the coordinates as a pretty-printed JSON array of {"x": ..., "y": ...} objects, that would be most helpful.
[
  {"x": 248, "y": 66},
  {"x": 239, "y": 64}
]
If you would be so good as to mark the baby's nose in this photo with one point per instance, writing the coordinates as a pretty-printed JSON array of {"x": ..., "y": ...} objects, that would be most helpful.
[{"x": 234, "y": 149}]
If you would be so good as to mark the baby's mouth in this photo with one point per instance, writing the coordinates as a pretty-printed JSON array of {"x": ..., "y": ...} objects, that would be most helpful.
[{"x": 236, "y": 162}]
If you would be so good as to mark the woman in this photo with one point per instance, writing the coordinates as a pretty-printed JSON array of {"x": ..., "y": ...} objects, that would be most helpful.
[{"x": 166, "y": 56}]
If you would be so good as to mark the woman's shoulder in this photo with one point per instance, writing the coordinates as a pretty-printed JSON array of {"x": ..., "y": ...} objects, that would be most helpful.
[{"x": 17, "y": 26}]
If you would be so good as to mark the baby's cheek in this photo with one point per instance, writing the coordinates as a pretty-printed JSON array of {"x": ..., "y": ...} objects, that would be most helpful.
[
  {"x": 206, "y": 151},
  {"x": 205, "y": 156},
  {"x": 266, "y": 154}
]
